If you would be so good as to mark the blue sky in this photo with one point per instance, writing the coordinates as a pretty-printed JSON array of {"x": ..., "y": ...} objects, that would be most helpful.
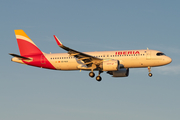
[{"x": 98, "y": 25}]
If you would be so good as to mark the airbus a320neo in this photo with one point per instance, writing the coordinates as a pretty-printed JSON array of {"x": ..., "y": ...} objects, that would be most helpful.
[{"x": 115, "y": 63}]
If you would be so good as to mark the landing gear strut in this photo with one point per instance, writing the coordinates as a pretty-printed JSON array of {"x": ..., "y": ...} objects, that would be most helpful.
[{"x": 149, "y": 70}]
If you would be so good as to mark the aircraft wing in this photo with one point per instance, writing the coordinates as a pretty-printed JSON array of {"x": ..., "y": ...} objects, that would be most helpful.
[{"x": 86, "y": 58}]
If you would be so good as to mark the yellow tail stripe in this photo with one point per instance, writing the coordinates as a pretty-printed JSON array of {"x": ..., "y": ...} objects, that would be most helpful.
[{"x": 21, "y": 32}]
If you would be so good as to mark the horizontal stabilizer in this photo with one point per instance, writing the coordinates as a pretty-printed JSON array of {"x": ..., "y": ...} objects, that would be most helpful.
[{"x": 18, "y": 56}]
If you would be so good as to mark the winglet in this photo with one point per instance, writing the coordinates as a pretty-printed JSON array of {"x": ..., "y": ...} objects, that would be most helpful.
[{"x": 57, "y": 40}]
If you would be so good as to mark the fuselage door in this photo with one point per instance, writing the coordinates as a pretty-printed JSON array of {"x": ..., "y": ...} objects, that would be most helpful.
[
  {"x": 148, "y": 54},
  {"x": 43, "y": 60}
]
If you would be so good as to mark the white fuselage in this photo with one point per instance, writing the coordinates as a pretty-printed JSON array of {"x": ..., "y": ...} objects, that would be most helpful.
[{"x": 128, "y": 59}]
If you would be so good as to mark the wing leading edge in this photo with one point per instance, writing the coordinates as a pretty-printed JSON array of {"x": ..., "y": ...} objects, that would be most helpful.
[{"x": 86, "y": 58}]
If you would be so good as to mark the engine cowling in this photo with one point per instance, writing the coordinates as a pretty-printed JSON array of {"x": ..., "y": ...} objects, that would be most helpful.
[
  {"x": 110, "y": 65},
  {"x": 123, "y": 72}
]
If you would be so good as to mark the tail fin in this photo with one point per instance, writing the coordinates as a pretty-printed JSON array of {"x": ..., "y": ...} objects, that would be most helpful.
[{"x": 26, "y": 45}]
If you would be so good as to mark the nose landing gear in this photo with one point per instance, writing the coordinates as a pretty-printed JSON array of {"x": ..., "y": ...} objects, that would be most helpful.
[
  {"x": 149, "y": 70},
  {"x": 150, "y": 74}
]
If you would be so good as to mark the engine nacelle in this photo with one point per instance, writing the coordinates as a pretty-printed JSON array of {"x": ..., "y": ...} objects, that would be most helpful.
[
  {"x": 123, "y": 72},
  {"x": 111, "y": 65}
]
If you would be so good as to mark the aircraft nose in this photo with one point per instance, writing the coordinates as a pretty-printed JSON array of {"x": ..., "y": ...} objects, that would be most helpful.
[{"x": 168, "y": 60}]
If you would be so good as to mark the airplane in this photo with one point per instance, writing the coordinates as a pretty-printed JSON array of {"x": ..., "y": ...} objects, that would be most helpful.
[{"x": 115, "y": 63}]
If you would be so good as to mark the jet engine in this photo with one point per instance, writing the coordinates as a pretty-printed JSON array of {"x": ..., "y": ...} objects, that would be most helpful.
[
  {"x": 110, "y": 65},
  {"x": 123, "y": 72}
]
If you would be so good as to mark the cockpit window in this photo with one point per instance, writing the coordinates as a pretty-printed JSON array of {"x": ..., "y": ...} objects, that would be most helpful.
[{"x": 160, "y": 54}]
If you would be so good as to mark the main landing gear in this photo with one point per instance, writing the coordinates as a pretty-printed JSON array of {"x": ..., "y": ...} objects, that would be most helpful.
[
  {"x": 91, "y": 74},
  {"x": 149, "y": 70},
  {"x": 98, "y": 78}
]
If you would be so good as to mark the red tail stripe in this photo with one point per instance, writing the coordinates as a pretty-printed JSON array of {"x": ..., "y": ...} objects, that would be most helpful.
[{"x": 27, "y": 48}]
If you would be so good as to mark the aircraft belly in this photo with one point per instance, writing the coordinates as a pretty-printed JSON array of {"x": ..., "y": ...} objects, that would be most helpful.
[
  {"x": 68, "y": 66},
  {"x": 134, "y": 63},
  {"x": 152, "y": 63}
]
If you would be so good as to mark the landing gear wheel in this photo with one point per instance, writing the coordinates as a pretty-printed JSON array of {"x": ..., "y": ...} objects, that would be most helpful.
[
  {"x": 150, "y": 74},
  {"x": 91, "y": 74},
  {"x": 149, "y": 69},
  {"x": 98, "y": 78}
]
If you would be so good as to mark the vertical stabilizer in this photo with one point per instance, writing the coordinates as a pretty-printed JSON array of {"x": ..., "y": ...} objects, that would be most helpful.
[{"x": 26, "y": 45}]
